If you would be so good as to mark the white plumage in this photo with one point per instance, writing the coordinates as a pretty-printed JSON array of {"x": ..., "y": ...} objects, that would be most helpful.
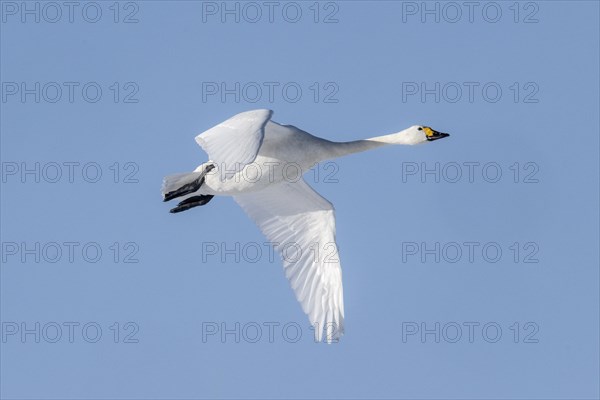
[{"x": 297, "y": 220}]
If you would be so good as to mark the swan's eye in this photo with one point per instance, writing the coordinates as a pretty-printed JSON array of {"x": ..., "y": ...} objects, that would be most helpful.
[{"x": 420, "y": 128}]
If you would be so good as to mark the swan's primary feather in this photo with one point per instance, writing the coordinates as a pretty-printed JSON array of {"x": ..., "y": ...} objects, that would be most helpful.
[{"x": 301, "y": 225}]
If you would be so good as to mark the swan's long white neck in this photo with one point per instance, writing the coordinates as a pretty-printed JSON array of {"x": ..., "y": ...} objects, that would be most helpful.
[{"x": 340, "y": 149}]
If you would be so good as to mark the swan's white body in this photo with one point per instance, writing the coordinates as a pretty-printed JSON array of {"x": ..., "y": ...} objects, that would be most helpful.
[{"x": 260, "y": 163}]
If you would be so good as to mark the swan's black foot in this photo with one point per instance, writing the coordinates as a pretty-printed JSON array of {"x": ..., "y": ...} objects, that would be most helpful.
[
  {"x": 188, "y": 187},
  {"x": 192, "y": 202}
]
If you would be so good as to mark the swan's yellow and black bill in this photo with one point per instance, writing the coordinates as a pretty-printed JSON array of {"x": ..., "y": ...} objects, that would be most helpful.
[{"x": 434, "y": 135}]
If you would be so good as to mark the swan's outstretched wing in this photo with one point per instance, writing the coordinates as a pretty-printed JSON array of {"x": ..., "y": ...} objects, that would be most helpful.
[
  {"x": 234, "y": 143},
  {"x": 301, "y": 225}
]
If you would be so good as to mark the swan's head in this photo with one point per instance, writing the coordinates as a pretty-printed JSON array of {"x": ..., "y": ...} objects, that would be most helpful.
[{"x": 420, "y": 134}]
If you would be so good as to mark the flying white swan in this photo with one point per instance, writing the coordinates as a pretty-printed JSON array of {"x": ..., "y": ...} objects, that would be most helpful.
[{"x": 259, "y": 162}]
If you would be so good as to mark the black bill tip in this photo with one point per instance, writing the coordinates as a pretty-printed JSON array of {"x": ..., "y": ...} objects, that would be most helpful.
[{"x": 437, "y": 135}]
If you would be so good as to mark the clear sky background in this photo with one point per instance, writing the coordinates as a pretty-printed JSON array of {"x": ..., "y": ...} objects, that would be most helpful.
[{"x": 367, "y": 61}]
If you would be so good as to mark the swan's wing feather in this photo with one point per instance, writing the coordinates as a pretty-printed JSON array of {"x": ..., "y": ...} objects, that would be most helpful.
[
  {"x": 301, "y": 225},
  {"x": 235, "y": 142}
]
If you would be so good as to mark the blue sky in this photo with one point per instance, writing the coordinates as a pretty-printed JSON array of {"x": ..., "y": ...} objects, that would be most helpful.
[{"x": 491, "y": 233}]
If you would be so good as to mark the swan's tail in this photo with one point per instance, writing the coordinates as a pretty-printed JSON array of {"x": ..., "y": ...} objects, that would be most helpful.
[
  {"x": 172, "y": 183},
  {"x": 178, "y": 185}
]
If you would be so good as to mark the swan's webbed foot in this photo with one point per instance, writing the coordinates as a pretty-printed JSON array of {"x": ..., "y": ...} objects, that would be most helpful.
[{"x": 192, "y": 202}]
